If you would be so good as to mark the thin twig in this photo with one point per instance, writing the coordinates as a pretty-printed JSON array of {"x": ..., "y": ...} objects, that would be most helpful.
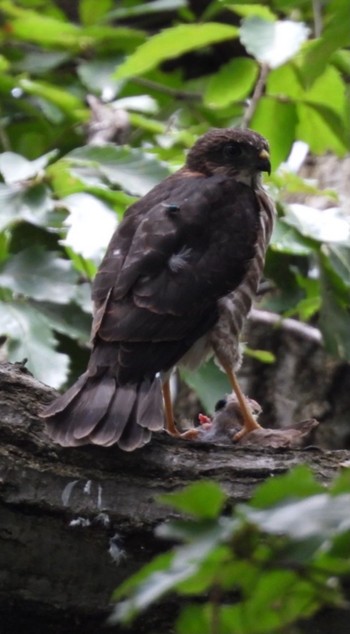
[
  {"x": 291, "y": 325},
  {"x": 317, "y": 14},
  {"x": 257, "y": 94}
]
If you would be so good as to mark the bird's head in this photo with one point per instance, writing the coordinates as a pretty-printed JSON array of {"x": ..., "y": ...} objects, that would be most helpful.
[{"x": 241, "y": 154}]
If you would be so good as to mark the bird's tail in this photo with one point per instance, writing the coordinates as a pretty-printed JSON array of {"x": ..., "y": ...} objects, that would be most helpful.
[{"x": 96, "y": 410}]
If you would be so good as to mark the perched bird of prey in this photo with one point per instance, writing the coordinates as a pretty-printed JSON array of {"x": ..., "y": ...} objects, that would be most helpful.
[{"x": 175, "y": 286}]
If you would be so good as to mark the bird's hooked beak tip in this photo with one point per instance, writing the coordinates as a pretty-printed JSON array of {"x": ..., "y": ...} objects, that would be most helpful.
[{"x": 264, "y": 161}]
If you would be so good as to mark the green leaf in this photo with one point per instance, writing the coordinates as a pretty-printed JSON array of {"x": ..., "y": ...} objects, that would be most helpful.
[
  {"x": 265, "y": 356},
  {"x": 91, "y": 11},
  {"x": 71, "y": 105},
  {"x": 193, "y": 620},
  {"x": 338, "y": 258},
  {"x": 32, "y": 204},
  {"x": 323, "y": 225},
  {"x": 173, "y": 42},
  {"x": 67, "y": 319},
  {"x": 252, "y": 10},
  {"x": 131, "y": 169},
  {"x": 209, "y": 383},
  {"x": 146, "y": 8},
  {"x": 39, "y": 274},
  {"x": 202, "y": 500},
  {"x": 321, "y": 129},
  {"x": 270, "y": 117},
  {"x": 279, "y": 598},
  {"x": 284, "y": 82},
  {"x": 15, "y": 168},
  {"x": 233, "y": 82},
  {"x": 322, "y": 516},
  {"x": 97, "y": 76},
  {"x": 298, "y": 483},
  {"x": 334, "y": 318},
  {"x": 285, "y": 239},
  {"x": 336, "y": 34},
  {"x": 30, "y": 26},
  {"x": 30, "y": 337},
  {"x": 272, "y": 43},
  {"x": 328, "y": 90},
  {"x": 91, "y": 224}
]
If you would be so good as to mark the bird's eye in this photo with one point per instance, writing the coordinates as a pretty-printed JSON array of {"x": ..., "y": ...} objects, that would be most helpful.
[
  {"x": 220, "y": 404},
  {"x": 232, "y": 150}
]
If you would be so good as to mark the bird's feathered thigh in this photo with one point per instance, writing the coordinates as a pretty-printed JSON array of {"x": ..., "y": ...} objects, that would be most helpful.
[{"x": 178, "y": 250}]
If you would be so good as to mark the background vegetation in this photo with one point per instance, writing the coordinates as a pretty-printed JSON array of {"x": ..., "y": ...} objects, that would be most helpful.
[{"x": 158, "y": 74}]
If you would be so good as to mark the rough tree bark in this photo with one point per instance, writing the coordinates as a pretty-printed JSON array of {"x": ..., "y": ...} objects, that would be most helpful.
[{"x": 75, "y": 522}]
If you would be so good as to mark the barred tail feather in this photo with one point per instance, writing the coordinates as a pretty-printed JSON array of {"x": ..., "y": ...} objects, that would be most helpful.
[{"x": 98, "y": 411}]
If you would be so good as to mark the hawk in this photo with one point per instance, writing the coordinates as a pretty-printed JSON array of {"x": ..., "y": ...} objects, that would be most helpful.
[{"x": 175, "y": 286}]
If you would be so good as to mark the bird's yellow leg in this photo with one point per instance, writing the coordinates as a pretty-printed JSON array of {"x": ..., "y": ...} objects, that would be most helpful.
[
  {"x": 170, "y": 427},
  {"x": 249, "y": 422}
]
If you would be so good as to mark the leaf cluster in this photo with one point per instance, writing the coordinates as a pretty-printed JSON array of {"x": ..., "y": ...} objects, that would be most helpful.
[
  {"x": 273, "y": 66},
  {"x": 259, "y": 570}
]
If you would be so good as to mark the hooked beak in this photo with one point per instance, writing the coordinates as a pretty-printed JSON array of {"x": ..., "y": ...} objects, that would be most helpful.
[{"x": 264, "y": 164}]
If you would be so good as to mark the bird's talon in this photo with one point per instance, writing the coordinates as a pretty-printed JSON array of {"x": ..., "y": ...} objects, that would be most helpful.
[{"x": 245, "y": 431}]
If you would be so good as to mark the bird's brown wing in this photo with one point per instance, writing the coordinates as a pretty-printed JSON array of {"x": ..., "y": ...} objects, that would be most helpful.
[{"x": 176, "y": 252}]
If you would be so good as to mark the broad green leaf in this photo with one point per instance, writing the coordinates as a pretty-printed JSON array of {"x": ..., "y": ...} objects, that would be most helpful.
[
  {"x": 233, "y": 82},
  {"x": 321, "y": 129},
  {"x": 203, "y": 500},
  {"x": 30, "y": 26},
  {"x": 334, "y": 319},
  {"x": 322, "y": 516},
  {"x": 171, "y": 43},
  {"x": 328, "y": 90},
  {"x": 32, "y": 204},
  {"x": 67, "y": 319},
  {"x": 279, "y": 597},
  {"x": 252, "y": 10},
  {"x": 265, "y": 356},
  {"x": 91, "y": 11},
  {"x": 272, "y": 43},
  {"x": 34, "y": 62},
  {"x": 270, "y": 117},
  {"x": 193, "y": 620},
  {"x": 157, "y": 564},
  {"x": 39, "y": 274},
  {"x": 16, "y": 168},
  {"x": 338, "y": 256},
  {"x": 341, "y": 60},
  {"x": 306, "y": 308},
  {"x": 336, "y": 34},
  {"x": 298, "y": 483},
  {"x": 30, "y": 337},
  {"x": 292, "y": 183},
  {"x": 323, "y": 225},
  {"x": 154, "y": 6},
  {"x": 71, "y": 105},
  {"x": 209, "y": 383},
  {"x": 97, "y": 76},
  {"x": 283, "y": 82},
  {"x": 109, "y": 39},
  {"x": 285, "y": 239},
  {"x": 155, "y": 586},
  {"x": 138, "y": 103},
  {"x": 91, "y": 224},
  {"x": 133, "y": 170}
]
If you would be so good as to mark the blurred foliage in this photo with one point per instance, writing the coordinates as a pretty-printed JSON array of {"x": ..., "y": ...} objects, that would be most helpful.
[
  {"x": 174, "y": 73},
  {"x": 258, "y": 570}
]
